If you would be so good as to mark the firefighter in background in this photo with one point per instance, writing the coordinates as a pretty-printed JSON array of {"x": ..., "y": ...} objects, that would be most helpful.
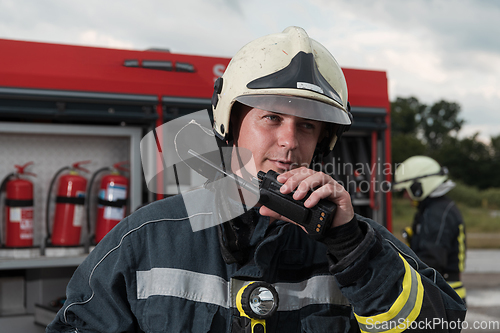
[{"x": 437, "y": 235}]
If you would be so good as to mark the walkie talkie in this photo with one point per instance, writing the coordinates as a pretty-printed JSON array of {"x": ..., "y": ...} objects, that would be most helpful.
[{"x": 316, "y": 220}]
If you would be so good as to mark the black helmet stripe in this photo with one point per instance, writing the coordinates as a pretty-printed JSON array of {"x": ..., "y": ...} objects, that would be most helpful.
[{"x": 301, "y": 73}]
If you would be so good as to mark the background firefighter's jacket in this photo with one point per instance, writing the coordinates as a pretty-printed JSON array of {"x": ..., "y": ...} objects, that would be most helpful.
[{"x": 439, "y": 236}]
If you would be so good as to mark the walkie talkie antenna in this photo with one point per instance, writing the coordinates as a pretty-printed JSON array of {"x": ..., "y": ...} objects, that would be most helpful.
[{"x": 241, "y": 182}]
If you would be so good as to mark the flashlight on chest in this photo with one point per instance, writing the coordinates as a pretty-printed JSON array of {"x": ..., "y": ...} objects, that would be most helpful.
[{"x": 257, "y": 301}]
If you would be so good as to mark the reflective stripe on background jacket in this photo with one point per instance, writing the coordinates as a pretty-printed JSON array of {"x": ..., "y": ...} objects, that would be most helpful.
[{"x": 152, "y": 273}]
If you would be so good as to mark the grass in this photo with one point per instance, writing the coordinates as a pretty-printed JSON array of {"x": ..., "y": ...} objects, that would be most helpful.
[{"x": 482, "y": 224}]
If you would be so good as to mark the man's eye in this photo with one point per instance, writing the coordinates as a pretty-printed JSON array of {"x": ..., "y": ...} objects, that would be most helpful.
[
  {"x": 308, "y": 125},
  {"x": 272, "y": 117}
]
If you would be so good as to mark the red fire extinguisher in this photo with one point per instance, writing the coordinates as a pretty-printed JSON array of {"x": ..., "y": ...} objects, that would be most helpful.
[
  {"x": 111, "y": 201},
  {"x": 18, "y": 208},
  {"x": 70, "y": 201}
]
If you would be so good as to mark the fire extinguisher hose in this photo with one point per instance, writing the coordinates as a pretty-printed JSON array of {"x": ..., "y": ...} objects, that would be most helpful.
[
  {"x": 89, "y": 192},
  {"x": 47, "y": 222},
  {"x": 3, "y": 185}
]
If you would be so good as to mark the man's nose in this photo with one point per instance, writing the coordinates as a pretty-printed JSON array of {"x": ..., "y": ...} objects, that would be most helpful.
[{"x": 287, "y": 136}]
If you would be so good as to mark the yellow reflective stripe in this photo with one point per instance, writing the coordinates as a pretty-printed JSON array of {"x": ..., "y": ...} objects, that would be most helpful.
[
  {"x": 404, "y": 310},
  {"x": 456, "y": 284},
  {"x": 461, "y": 248},
  {"x": 459, "y": 288},
  {"x": 461, "y": 292},
  {"x": 398, "y": 304}
]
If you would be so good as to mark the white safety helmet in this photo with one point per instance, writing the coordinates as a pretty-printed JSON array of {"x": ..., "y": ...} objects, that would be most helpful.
[
  {"x": 420, "y": 176},
  {"x": 287, "y": 73}
]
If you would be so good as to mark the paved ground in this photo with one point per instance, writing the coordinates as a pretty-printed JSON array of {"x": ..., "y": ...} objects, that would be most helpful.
[
  {"x": 482, "y": 261},
  {"x": 482, "y": 280}
]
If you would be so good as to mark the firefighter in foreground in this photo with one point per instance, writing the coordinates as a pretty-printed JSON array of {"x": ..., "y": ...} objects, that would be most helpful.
[
  {"x": 284, "y": 98},
  {"x": 437, "y": 235}
]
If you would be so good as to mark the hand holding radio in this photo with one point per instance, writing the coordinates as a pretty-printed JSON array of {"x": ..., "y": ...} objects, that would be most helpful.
[
  {"x": 326, "y": 193},
  {"x": 315, "y": 220}
]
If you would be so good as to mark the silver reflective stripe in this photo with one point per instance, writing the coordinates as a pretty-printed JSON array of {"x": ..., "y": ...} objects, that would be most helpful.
[
  {"x": 309, "y": 86},
  {"x": 212, "y": 289},
  {"x": 321, "y": 289},
  {"x": 180, "y": 283}
]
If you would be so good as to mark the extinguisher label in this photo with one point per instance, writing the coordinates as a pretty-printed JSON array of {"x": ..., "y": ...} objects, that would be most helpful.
[
  {"x": 113, "y": 193},
  {"x": 15, "y": 214},
  {"x": 23, "y": 216},
  {"x": 79, "y": 209}
]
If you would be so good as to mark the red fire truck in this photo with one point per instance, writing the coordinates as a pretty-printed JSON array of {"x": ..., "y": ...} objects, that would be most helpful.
[
  {"x": 62, "y": 104},
  {"x": 63, "y": 84}
]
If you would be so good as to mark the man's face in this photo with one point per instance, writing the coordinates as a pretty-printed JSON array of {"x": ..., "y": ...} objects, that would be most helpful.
[{"x": 277, "y": 141}]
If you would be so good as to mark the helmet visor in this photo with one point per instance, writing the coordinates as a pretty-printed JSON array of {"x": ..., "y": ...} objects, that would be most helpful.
[{"x": 297, "y": 106}]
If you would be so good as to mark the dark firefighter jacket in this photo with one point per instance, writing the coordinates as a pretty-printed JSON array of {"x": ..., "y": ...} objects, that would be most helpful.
[
  {"x": 439, "y": 238},
  {"x": 152, "y": 273}
]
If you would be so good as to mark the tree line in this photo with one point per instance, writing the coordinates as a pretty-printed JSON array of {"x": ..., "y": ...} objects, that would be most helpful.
[{"x": 432, "y": 130}]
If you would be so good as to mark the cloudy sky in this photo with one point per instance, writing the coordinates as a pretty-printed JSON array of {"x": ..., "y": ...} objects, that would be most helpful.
[{"x": 430, "y": 49}]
